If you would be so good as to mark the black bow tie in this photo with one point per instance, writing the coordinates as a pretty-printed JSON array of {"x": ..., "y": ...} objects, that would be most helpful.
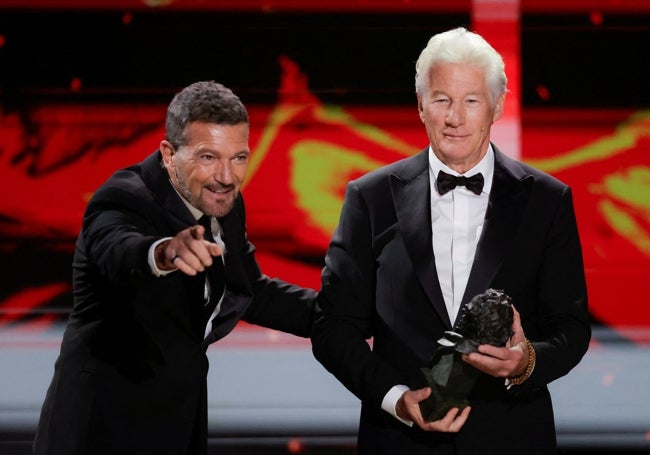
[{"x": 447, "y": 182}]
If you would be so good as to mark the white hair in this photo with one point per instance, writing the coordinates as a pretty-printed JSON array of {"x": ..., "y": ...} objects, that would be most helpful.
[{"x": 461, "y": 46}]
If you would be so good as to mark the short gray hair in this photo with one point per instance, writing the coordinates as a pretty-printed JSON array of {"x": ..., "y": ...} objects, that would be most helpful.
[
  {"x": 204, "y": 101},
  {"x": 459, "y": 45}
]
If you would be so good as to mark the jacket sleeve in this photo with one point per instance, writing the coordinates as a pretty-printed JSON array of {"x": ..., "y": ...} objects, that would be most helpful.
[
  {"x": 116, "y": 232},
  {"x": 346, "y": 307},
  {"x": 560, "y": 329},
  {"x": 273, "y": 303}
]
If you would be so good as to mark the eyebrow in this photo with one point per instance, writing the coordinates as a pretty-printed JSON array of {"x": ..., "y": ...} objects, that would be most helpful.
[{"x": 473, "y": 93}]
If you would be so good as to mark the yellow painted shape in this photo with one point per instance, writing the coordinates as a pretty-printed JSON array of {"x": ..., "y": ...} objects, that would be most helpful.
[
  {"x": 319, "y": 173},
  {"x": 625, "y": 136},
  {"x": 626, "y": 226},
  {"x": 281, "y": 115},
  {"x": 337, "y": 115}
]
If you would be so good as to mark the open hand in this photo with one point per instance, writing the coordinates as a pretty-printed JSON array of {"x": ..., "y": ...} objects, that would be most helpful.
[{"x": 408, "y": 408}]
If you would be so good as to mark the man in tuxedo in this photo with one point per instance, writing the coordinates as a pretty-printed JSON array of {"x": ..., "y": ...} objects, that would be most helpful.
[
  {"x": 162, "y": 268},
  {"x": 418, "y": 238}
]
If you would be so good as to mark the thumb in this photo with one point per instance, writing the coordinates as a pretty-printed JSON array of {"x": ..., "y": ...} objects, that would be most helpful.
[
  {"x": 518, "y": 331},
  {"x": 407, "y": 407},
  {"x": 420, "y": 394}
]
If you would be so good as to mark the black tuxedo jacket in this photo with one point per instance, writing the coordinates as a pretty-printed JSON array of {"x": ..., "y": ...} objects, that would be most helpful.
[
  {"x": 131, "y": 374},
  {"x": 380, "y": 283}
]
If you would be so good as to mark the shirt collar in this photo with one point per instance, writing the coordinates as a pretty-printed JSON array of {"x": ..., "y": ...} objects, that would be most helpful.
[
  {"x": 196, "y": 213},
  {"x": 485, "y": 167}
]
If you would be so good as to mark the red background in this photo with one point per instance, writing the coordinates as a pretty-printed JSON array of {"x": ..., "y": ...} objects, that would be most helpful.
[{"x": 67, "y": 123}]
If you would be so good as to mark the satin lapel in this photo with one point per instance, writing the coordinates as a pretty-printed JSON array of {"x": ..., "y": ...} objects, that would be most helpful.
[
  {"x": 508, "y": 197},
  {"x": 235, "y": 240},
  {"x": 412, "y": 198}
]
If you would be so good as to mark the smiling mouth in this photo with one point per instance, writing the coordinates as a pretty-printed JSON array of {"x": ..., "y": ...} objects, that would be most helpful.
[{"x": 219, "y": 191}]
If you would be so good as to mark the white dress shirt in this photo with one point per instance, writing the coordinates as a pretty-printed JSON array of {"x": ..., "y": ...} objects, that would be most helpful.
[{"x": 456, "y": 225}]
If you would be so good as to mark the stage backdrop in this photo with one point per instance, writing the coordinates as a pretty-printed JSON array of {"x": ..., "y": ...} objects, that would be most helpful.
[{"x": 330, "y": 98}]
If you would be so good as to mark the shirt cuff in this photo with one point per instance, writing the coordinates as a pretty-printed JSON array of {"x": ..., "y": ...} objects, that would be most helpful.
[
  {"x": 390, "y": 401},
  {"x": 152, "y": 259}
]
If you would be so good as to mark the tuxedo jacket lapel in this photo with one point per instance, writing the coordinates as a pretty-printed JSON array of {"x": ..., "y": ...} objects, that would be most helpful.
[
  {"x": 505, "y": 207},
  {"x": 414, "y": 218}
]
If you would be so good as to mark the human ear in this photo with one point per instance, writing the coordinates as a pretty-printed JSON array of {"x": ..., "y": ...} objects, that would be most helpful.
[
  {"x": 167, "y": 151},
  {"x": 498, "y": 108},
  {"x": 420, "y": 108}
]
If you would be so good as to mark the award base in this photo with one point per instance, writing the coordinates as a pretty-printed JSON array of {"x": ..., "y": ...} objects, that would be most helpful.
[{"x": 451, "y": 380}]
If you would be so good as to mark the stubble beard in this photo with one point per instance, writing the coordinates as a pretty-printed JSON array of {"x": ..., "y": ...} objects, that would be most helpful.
[{"x": 221, "y": 209}]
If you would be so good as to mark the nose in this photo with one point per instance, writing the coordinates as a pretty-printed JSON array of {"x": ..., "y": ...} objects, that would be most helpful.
[
  {"x": 223, "y": 172},
  {"x": 455, "y": 115}
]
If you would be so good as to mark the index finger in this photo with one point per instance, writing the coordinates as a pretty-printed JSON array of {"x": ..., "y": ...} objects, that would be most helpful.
[
  {"x": 214, "y": 249},
  {"x": 496, "y": 352}
]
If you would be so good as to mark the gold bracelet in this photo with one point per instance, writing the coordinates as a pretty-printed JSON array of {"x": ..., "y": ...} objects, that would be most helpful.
[{"x": 532, "y": 357}]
